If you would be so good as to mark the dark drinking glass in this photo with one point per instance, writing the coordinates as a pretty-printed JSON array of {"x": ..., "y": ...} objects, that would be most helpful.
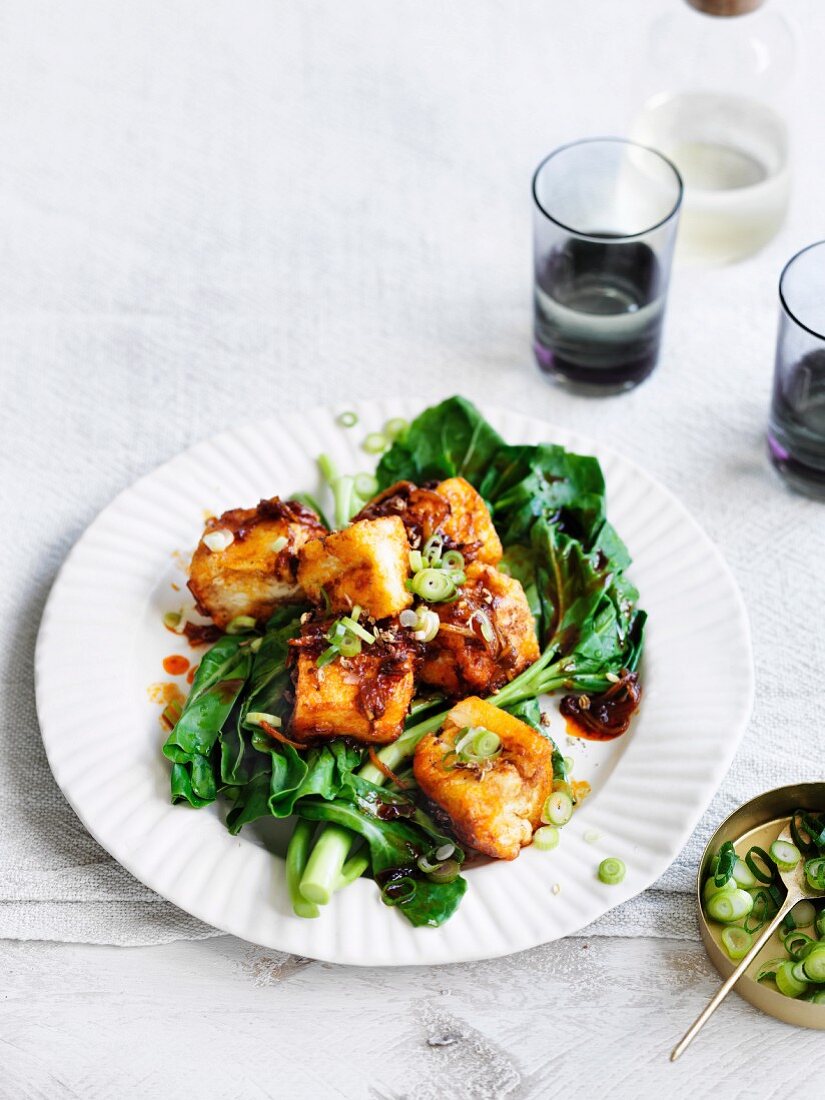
[
  {"x": 796, "y": 432},
  {"x": 604, "y": 224}
]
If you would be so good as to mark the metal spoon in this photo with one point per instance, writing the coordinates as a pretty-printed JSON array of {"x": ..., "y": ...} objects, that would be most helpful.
[{"x": 798, "y": 889}]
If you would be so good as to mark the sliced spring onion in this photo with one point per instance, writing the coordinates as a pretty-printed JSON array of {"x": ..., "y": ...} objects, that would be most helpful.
[
  {"x": 612, "y": 871},
  {"x": 171, "y": 620},
  {"x": 800, "y": 833},
  {"x": 352, "y": 625},
  {"x": 395, "y": 427},
  {"x": 814, "y": 964},
  {"x": 710, "y": 888},
  {"x": 349, "y": 646},
  {"x": 785, "y": 855},
  {"x": 798, "y": 971},
  {"x": 433, "y": 585},
  {"x": 428, "y": 625},
  {"x": 736, "y": 942},
  {"x": 728, "y": 906},
  {"x": 432, "y": 549},
  {"x": 426, "y": 864},
  {"x": 366, "y": 486},
  {"x": 767, "y": 971},
  {"x": 485, "y": 743},
  {"x": 759, "y": 863},
  {"x": 218, "y": 540},
  {"x": 816, "y": 997},
  {"x": 725, "y": 864},
  {"x": 546, "y": 838},
  {"x": 452, "y": 559},
  {"x": 408, "y": 617},
  {"x": 485, "y": 625},
  {"x": 798, "y": 945},
  {"x": 416, "y": 561},
  {"x": 476, "y": 745},
  {"x": 558, "y": 809},
  {"x": 447, "y": 871},
  {"x": 803, "y": 914},
  {"x": 762, "y": 906},
  {"x": 347, "y": 419},
  {"x": 280, "y": 544},
  {"x": 786, "y": 982},
  {"x": 375, "y": 444},
  {"x": 820, "y": 924},
  {"x": 743, "y": 876},
  {"x": 241, "y": 624},
  {"x": 398, "y": 891},
  {"x": 568, "y": 763},
  {"x": 256, "y": 644},
  {"x": 445, "y": 851},
  {"x": 815, "y": 872},
  {"x": 256, "y": 717},
  {"x": 328, "y": 656}
]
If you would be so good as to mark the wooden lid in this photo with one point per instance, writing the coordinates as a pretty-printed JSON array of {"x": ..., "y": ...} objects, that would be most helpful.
[{"x": 725, "y": 7}]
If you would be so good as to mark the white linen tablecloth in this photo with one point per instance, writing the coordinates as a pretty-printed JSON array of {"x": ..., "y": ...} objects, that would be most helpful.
[{"x": 216, "y": 211}]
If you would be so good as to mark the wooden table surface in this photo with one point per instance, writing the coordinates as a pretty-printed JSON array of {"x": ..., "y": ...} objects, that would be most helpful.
[{"x": 223, "y": 1019}]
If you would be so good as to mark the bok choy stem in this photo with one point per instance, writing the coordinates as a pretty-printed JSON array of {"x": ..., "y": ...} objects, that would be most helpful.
[
  {"x": 296, "y": 860},
  {"x": 343, "y": 490},
  {"x": 325, "y": 865}
]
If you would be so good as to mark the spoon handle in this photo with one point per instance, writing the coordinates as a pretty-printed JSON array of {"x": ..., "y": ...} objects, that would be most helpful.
[{"x": 726, "y": 986}]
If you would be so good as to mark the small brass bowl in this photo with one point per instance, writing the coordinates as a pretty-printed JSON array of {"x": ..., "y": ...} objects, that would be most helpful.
[{"x": 772, "y": 808}]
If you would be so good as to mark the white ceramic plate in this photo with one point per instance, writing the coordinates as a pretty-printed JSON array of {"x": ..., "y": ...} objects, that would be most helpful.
[{"x": 101, "y": 644}]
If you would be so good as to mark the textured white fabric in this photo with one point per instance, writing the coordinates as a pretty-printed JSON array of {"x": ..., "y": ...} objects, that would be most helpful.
[{"x": 210, "y": 211}]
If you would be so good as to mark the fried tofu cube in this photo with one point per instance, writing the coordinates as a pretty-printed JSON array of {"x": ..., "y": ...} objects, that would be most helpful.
[
  {"x": 494, "y": 807},
  {"x": 365, "y": 697},
  {"x": 486, "y": 637},
  {"x": 251, "y": 566},
  {"x": 452, "y": 508},
  {"x": 469, "y": 525},
  {"x": 366, "y": 564}
]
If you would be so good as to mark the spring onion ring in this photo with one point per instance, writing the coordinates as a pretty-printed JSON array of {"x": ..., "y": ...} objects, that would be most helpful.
[
  {"x": 736, "y": 942},
  {"x": 612, "y": 871},
  {"x": 546, "y": 837}
]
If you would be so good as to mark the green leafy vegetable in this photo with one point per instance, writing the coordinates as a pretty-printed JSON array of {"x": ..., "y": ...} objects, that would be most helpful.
[
  {"x": 395, "y": 846},
  {"x": 448, "y": 440},
  {"x": 218, "y": 682}
]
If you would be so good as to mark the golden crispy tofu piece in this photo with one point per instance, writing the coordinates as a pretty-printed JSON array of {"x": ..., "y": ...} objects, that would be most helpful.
[
  {"x": 365, "y": 697},
  {"x": 469, "y": 525},
  {"x": 493, "y": 807},
  {"x": 487, "y": 636},
  {"x": 452, "y": 508},
  {"x": 248, "y": 575},
  {"x": 365, "y": 564}
]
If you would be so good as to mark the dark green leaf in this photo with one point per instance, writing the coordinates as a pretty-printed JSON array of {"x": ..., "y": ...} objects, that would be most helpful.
[
  {"x": 448, "y": 440},
  {"x": 218, "y": 682}
]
